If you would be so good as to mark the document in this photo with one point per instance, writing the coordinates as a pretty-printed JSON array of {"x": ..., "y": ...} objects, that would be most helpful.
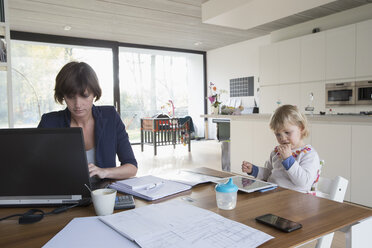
[
  {"x": 176, "y": 224},
  {"x": 88, "y": 232},
  {"x": 149, "y": 187},
  {"x": 190, "y": 178}
]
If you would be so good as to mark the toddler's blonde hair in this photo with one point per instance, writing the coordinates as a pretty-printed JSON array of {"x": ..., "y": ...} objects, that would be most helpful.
[{"x": 289, "y": 114}]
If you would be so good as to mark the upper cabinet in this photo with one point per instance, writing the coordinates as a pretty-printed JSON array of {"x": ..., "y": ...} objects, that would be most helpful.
[
  {"x": 313, "y": 57},
  {"x": 340, "y": 53},
  {"x": 289, "y": 61},
  {"x": 364, "y": 49},
  {"x": 269, "y": 67}
]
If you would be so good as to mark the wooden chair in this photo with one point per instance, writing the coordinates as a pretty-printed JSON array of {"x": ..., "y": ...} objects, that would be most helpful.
[{"x": 164, "y": 131}]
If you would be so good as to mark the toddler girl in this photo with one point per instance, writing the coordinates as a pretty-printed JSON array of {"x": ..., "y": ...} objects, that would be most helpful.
[{"x": 292, "y": 164}]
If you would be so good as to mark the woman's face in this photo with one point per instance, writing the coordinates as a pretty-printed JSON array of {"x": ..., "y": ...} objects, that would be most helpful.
[{"x": 80, "y": 106}]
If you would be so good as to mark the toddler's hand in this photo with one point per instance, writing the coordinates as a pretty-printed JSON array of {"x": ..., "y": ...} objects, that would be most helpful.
[
  {"x": 247, "y": 167},
  {"x": 285, "y": 151}
]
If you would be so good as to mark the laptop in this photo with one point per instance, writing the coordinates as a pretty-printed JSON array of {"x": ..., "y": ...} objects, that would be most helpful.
[
  {"x": 43, "y": 167},
  {"x": 248, "y": 185}
]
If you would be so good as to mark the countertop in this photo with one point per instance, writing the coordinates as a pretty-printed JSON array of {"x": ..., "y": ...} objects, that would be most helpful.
[{"x": 334, "y": 119}]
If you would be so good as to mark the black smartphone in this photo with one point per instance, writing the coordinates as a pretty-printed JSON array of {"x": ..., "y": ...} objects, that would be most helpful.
[{"x": 278, "y": 222}]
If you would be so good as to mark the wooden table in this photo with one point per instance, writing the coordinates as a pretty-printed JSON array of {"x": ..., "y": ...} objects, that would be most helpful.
[{"x": 318, "y": 216}]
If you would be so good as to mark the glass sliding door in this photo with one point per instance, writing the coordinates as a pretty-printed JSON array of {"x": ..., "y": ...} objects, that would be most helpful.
[
  {"x": 3, "y": 100},
  {"x": 34, "y": 68},
  {"x": 154, "y": 82}
]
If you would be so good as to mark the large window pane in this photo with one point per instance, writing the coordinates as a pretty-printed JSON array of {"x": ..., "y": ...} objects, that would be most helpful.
[
  {"x": 150, "y": 80},
  {"x": 3, "y": 100},
  {"x": 35, "y": 66}
]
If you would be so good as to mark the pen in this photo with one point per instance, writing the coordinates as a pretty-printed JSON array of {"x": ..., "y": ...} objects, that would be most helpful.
[
  {"x": 154, "y": 185},
  {"x": 267, "y": 189}
]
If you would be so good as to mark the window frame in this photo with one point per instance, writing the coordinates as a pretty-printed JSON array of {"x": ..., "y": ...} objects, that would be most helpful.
[{"x": 114, "y": 45}]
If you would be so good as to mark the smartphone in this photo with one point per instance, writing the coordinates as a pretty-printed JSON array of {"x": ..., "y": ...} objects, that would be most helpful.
[{"x": 278, "y": 222}]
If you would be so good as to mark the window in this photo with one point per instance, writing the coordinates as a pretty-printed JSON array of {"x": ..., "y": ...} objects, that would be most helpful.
[
  {"x": 35, "y": 66},
  {"x": 154, "y": 82},
  {"x": 3, "y": 100}
]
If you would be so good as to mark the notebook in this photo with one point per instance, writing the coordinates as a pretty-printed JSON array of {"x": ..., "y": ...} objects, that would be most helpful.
[
  {"x": 248, "y": 184},
  {"x": 149, "y": 187},
  {"x": 41, "y": 167}
]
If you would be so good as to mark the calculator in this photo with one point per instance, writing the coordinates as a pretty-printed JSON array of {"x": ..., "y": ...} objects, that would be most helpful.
[{"x": 124, "y": 202}]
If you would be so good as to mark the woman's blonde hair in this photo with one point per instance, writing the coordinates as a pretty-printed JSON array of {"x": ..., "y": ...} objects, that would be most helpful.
[{"x": 289, "y": 114}]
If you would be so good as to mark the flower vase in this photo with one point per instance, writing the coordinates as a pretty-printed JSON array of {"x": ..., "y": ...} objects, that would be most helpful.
[{"x": 215, "y": 110}]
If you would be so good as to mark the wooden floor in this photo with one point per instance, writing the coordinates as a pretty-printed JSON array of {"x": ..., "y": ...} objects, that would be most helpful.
[{"x": 204, "y": 153}]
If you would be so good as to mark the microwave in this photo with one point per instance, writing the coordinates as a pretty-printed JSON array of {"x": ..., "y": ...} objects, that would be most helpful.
[
  {"x": 340, "y": 94},
  {"x": 363, "y": 92}
]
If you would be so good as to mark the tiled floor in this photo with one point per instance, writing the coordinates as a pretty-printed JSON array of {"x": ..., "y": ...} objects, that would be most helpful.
[{"x": 204, "y": 153}]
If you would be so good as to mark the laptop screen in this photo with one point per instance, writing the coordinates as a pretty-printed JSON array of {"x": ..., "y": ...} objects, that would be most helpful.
[{"x": 42, "y": 166}]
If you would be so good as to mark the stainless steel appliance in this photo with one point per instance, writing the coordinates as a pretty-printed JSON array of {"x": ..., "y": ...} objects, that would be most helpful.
[
  {"x": 340, "y": 94},
  {"x": 363, "y": 92}
]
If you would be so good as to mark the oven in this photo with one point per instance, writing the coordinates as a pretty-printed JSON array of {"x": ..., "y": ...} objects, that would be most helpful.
[
  {"x": 363, "y": 92},
  {"x": 340, "y": 94}
]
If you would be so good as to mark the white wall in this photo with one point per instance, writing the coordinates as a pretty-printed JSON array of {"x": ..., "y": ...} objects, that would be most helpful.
[{"x": 234, "y": 61}]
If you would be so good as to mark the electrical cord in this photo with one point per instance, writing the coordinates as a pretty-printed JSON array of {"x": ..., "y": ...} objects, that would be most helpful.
[{"x": 35, "y": 215}]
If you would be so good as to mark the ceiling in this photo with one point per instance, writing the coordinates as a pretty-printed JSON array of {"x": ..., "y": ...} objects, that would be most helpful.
[{"x": 166, "y": 23}]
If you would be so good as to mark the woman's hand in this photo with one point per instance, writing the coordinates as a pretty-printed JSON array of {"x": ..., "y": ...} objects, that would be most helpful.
[
  {"x": 97, "y": 171},
  {"x": 247, "y": 167},
  {"x": 285, "y": 151}
]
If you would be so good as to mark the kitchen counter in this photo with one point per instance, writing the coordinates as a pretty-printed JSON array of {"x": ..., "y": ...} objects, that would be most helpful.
[{"x": 335, "y": 119}]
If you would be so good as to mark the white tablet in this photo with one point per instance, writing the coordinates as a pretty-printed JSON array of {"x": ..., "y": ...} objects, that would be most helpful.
[{"x": 248, "y": 184}]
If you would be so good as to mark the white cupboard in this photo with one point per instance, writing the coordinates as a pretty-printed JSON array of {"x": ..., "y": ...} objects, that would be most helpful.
[
  {"x": 313, "y": 57},
  {"x": 289, "y": 94},
  {"x": 269, "y": 68},
  {"x": 333, "y": 144},
  {"x": 340, "y": 53},
  {"x": 363, "y": 49},
  {"x": 269, "y": 103},
  {"x": 289, "y": 61},
  {"x": 318, "y": 91},
  {"x": 361, "y": 164},
  {"x": 344, "y": 142},
  {"x": 241, "y": 148}
]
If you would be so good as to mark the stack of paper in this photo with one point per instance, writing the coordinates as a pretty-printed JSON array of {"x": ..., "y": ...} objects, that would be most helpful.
[
  {"x": 149, "y": 187},
  {"x": 163, "y": 225},
  {"x": 175, "y": 224},
  {"x": 190, "y": 178}
]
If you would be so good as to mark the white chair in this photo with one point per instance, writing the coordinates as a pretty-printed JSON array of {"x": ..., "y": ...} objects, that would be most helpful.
[{"x": 334, "y": 190}]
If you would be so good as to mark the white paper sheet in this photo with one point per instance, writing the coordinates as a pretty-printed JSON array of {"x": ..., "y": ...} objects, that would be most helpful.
[
  {"x": 190, "y": 178},
  {"x": 176, "y": 224},
  {"x": 88, "y": 232}
]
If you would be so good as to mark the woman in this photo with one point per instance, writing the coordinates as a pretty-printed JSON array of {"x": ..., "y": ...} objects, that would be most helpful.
[{"x": 104, "y": 132}]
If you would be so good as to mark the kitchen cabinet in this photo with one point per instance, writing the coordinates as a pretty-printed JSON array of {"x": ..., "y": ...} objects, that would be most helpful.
[
  {"x": 333, "y": 144},
  {"x": 264, "y": 142},
  {"x": 361, "y": 164},
  {"x": 343, "y": 141},
  {"x": 289, "y": 61},
  {"x": 269, "y": 67},
  {"x": 363, "y": 49},
  {"x": 268, "y": 99},
  {"x": 313, "y": 57},
  {"x": 250, "y": 141},
  {"x": 340, "y": 53},
  {"x": 241, "y": 144},
  {"x": 318, "y": 90},
  {"x": 289, "y": 94}
]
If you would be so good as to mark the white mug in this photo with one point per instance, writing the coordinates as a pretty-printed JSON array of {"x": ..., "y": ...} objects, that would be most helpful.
[{"x": 104, "y": 201}]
